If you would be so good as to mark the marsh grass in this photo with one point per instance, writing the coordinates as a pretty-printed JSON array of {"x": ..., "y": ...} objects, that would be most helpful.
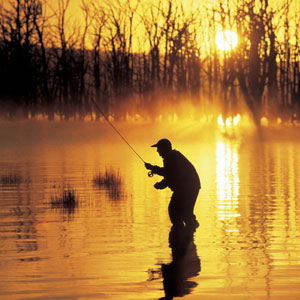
[
  {"x": 111, "y": 181},
  {"x": 11, "y": 179},
  {"x": 67, "y": 201},
  {"x": 108, "y": 178}
]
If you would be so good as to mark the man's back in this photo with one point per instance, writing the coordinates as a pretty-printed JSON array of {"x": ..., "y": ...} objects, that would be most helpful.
[{"x": 179, "y": 171}]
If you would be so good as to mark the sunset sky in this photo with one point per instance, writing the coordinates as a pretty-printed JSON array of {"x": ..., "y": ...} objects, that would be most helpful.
[
  {"x": 75, "y": 17},
  {"x": 204, "y": 9}
]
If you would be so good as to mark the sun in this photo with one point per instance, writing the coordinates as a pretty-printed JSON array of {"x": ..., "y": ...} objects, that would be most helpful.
[{"x": 226, "y": 40}]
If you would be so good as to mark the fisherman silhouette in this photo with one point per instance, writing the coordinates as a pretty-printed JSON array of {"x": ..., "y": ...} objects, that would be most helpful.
[
  {"x": 182, "y": 178},
  {"x": 185, "y": 264}
]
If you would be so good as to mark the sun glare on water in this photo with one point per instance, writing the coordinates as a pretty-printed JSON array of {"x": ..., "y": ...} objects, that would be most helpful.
[{"x": 226, "y": 40}]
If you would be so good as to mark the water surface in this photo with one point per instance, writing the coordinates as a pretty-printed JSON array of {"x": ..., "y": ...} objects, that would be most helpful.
[{"x": 118, "y": 245}]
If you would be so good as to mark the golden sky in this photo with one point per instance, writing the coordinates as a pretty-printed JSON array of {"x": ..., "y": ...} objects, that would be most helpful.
[{"x": 74, "y": 15}]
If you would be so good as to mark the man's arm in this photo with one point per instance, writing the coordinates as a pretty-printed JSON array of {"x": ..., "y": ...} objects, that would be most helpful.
[
  {"x": 155, "y": 169},
  {"x": 161, "y": 185}
]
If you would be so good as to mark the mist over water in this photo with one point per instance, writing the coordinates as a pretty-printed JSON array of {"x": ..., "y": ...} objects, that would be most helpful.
[{"x": 113, "y": 246}]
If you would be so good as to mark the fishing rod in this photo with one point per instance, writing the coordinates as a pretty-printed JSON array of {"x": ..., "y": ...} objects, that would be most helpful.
[{"x": 150, "y": 174}]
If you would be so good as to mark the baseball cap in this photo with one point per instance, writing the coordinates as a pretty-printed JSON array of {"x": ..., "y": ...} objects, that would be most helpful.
[{"x": 163, "y": 143}]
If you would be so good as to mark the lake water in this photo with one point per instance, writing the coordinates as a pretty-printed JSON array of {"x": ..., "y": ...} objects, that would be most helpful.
[{"x": 117, "y": 244}]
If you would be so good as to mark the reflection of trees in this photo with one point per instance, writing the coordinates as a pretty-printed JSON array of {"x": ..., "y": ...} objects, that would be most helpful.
[
  {"x": 262, "y": 224},
  {"x": 26, "y": 235},
  {"x": 49, "y": 65}
]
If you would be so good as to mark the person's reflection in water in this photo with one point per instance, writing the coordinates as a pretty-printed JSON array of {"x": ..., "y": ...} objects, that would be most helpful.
[{"x": 185, "y": 264}]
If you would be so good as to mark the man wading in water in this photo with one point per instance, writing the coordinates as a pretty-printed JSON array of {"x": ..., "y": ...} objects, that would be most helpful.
[{"x": 182, "y": 178}]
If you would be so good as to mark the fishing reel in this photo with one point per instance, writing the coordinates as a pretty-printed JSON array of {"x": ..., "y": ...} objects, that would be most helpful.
[{"x": 150, "y": 174}]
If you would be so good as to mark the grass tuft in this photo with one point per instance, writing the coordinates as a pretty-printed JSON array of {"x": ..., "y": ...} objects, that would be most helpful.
[
  {"x": 10, "y": 179},
  {"x": 110, "y": 180},
  {"x": 68, "y": 200}
]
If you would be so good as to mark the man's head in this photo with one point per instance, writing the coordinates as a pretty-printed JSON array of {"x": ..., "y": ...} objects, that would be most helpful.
[{"x": 163, "y": 146}]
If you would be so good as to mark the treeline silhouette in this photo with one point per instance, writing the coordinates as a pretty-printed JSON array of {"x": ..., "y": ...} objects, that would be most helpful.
[{"x": 130, "y": 55}]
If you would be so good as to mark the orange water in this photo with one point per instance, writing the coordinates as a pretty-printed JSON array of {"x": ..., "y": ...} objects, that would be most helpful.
[{"x": 113, "y": 246}]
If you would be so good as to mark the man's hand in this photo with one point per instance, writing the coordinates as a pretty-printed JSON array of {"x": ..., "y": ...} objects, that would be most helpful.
[
  {"x": 148, "y": 166},
  {"x": 160, "y": 185}
]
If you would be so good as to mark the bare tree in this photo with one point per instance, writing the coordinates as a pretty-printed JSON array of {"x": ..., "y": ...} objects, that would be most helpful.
[
  {"x": 21, "y": 66},
  {"x": 67, "y": 43},
  {"x": 100, "y": 80},
  {"x": 152, "y": 19},
  {"x": 254, "y": 52},
  {"x": 121, "y": 23},
  {"x": 42, "y": 28}
]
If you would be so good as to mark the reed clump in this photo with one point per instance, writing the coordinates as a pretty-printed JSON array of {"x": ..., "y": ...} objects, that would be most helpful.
[
  {"x": 68, "y": 200},
  {"x": 110, "y": 180},
  {"x": 11, "y": 179}
]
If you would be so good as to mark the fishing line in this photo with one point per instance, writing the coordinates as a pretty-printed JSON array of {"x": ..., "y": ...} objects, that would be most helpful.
[{"x": 116, "y": 130}]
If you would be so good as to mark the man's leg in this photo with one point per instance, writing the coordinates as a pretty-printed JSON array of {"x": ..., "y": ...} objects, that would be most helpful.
[
  {"x": 175, "y": 210},
  {"x": 190, "y": 201}
]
